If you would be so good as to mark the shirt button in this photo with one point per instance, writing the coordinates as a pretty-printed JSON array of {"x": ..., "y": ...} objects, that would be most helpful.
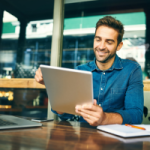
[
  {"x": 104, "y": 73},
  {"x": 101, "y": 88},
  {"x": 100, "y": 105}
]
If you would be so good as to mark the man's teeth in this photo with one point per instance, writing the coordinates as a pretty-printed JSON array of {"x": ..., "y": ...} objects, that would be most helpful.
[{"x": 101, "y": 53}]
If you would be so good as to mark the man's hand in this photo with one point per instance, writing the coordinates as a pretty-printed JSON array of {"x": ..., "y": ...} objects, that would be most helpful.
[
  {"x": 92, "y": 113},
  {"x": 38, "y": 76},
  {"x": 95, "y": 116}
]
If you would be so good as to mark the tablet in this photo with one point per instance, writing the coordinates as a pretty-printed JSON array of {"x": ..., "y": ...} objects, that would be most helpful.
[{"x": 67, "y": 88}]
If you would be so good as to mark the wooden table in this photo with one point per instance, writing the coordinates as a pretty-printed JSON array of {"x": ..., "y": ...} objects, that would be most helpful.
[{"x": 67, "y": 136}]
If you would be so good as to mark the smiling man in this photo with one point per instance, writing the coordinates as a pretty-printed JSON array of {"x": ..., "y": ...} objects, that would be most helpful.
[{"x": 117, "y": 83}]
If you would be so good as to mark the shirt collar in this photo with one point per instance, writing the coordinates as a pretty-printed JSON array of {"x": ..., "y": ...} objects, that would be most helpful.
[{"x": 116, "y": 65}]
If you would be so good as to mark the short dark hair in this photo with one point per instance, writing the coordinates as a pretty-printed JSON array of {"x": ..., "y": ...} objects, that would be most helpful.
[{"x": 113, "y": 23}]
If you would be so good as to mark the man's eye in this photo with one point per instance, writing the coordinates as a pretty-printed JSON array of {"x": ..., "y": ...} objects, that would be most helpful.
[
  {"x": 97, "y": 39},
  {"x": 109, "y": 43}
]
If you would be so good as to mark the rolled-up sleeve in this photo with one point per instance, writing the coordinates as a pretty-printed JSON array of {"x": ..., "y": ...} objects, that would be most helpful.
[{"x": 134, "y": 99}]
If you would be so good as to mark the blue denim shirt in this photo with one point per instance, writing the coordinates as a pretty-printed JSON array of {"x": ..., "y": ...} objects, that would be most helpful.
[{"x": 118, "y": 89}]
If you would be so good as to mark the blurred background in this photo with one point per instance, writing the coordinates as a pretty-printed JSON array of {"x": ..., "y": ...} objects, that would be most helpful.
[{"x": 77, "y": 42}]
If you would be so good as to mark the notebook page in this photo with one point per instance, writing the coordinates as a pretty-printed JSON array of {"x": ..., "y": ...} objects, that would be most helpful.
[{"x": 123, "y": 130}]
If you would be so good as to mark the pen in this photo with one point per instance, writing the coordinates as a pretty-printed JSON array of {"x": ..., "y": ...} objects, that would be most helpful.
[{"x": 132, "y": 126}]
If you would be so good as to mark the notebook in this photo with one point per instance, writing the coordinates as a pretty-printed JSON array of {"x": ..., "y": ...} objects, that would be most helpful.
[
  {"x": 125, "y": 131},
  {"x": 12, "y": 122},
  {"x": 67, "y": 88},
  {"x": 126, "y": 140}
]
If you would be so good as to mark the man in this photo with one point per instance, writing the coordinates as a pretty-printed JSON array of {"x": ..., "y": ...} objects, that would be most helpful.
[{"x": 117, "y": 83}]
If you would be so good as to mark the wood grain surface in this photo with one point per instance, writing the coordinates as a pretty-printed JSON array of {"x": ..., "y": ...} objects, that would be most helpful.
[
  {"x": 31, "y": 83},
  {"x": 67, "y": 136},
  {"x": 20, "y": 83},
  {"x": 146, "y": 85}
]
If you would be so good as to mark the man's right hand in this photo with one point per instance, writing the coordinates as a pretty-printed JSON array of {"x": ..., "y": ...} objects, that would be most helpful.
[{"x": 38, "y": 76}]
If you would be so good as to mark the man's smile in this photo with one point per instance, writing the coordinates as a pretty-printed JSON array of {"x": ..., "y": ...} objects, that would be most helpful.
[{"x": 101, "y": 53}]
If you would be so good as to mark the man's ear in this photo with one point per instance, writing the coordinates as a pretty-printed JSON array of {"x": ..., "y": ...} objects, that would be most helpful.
[{"x": 119, "y": 46}]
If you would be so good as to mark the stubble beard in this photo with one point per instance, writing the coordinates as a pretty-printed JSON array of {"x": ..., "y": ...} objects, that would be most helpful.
[{"x": 107, "y": 58}]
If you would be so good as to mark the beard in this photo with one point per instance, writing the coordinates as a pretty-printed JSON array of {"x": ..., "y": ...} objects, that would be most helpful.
[{"x": 104, "y": 59}]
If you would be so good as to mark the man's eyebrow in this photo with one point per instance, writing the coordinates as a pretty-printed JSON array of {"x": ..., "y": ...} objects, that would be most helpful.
[
  {"x": 106, "y": 39},
  {"x": 97, "y": 37},
  {"x": 110, "y": 40}
]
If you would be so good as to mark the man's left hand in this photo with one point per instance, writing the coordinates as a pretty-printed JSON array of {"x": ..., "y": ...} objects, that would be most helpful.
[{"x": 92, "y": 113}]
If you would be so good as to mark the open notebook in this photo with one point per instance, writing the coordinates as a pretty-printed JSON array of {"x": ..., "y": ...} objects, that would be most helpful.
[
  {"x": 125, "y": 131},
  {"x": 126, "y": 140}
]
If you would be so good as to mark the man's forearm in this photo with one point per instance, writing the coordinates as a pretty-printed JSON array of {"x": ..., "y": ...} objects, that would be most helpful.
[{"x": 112, "y": 118}]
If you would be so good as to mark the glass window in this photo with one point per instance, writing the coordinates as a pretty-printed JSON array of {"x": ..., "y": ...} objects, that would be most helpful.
[{"x": 37, "y": 49}]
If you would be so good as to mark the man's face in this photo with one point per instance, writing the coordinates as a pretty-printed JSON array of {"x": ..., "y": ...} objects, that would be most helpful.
[{"x": 105, "y": 44}]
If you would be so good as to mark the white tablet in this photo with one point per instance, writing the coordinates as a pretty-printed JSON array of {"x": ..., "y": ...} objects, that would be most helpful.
[{"x": 67, "y": 88}]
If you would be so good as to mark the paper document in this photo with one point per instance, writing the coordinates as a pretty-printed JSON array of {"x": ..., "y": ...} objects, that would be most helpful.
[{"x": 125, "y": 131}]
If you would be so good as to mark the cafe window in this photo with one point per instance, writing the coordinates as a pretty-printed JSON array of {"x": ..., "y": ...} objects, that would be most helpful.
[{"x": 29, "y": 102}]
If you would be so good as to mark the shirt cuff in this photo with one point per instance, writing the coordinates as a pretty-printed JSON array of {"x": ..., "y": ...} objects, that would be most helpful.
[{"x": 126, "y": 116}]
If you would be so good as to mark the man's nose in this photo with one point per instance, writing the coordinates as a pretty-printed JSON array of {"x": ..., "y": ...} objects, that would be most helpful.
[{"x": 102, "y": 45}]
